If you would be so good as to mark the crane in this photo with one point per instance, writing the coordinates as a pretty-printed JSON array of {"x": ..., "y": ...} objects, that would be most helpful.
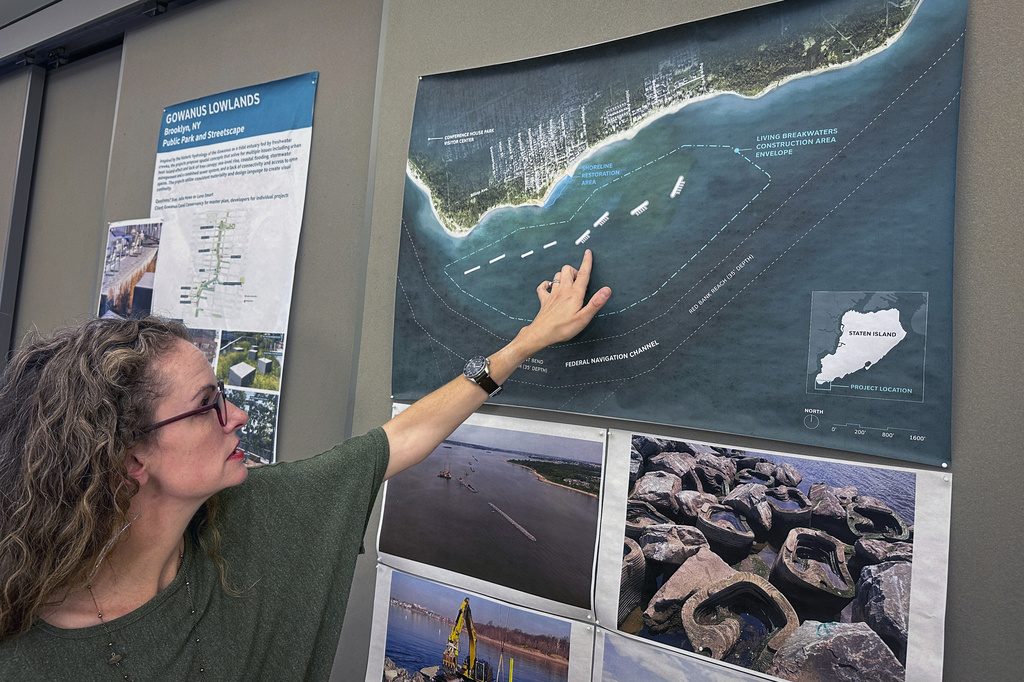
[{"x": 471, "y": 669}]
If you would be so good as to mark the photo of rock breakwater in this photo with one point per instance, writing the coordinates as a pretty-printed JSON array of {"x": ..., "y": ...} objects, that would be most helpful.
[{"x": 786, "y": 566}]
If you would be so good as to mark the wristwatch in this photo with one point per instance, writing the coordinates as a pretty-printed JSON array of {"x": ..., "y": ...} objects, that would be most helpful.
[{"x": 478, "y": 371}]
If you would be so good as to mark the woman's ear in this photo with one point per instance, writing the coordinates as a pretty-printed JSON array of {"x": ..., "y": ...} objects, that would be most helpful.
[{"x": 136, "y": 466}]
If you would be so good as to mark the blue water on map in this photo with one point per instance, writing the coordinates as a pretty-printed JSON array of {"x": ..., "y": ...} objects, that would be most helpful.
[
  {"x": 557, "y": 190},
  {"x": 729, "y": 353}
]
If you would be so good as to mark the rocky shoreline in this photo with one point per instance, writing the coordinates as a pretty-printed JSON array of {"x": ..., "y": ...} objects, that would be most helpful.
[
  {"x": 723, "y": 551},
  {"x": 392, "y": 673}
]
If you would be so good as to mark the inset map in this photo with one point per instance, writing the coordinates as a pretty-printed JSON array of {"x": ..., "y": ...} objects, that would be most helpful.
[{"x": 868, "y": 344}]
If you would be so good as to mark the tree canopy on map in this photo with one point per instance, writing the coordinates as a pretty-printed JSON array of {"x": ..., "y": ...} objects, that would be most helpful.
[{"x": 612, "y": 88}]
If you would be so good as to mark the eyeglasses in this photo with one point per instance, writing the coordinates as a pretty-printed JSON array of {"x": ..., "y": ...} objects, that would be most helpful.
[{"x": 219, "y": 403}]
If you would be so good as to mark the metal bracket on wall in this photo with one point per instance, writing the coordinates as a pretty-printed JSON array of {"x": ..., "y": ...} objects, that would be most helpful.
[
  {"x": 154, "y": 7},
  {"x": 58, "y": 57}
]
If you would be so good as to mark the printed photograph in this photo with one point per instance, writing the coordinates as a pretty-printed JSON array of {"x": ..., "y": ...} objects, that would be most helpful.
[
  {"x": 513, "y": 508},
  {"x": 627, "y": 659},
  {"x": 436, "y": 633},
  {"x": 129, "y": 264},
  {"x": 206, "y": 340},
  {"x": 773, "y": 563},
  {"x": 259, "y": 437},
  {"x": 251, "y": 360}
]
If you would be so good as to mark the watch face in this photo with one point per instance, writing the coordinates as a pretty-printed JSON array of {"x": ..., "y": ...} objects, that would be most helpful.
[{"x": 475, "y": 367}]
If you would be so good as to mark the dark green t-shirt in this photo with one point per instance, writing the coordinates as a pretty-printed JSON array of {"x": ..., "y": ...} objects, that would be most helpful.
[{"x": 290, "y": 536}]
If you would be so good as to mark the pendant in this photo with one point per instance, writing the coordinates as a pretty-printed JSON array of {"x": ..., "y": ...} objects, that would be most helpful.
[{"x": 114, "y": 658}]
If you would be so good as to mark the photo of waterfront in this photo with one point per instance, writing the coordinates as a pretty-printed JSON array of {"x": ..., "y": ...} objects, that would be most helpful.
[
  {"x": 129, "y": 264},
  {"x": 509, "y": 507},
  {"x": 421, "y": 618}
]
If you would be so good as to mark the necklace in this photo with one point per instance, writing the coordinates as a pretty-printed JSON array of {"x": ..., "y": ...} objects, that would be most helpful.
[
  {"x": 195, "y": 623},
  {"x": 116, "y": 658}
]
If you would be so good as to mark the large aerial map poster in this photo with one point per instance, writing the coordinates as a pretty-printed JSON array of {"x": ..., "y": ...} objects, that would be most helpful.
[{"x": 769, "y": 195}]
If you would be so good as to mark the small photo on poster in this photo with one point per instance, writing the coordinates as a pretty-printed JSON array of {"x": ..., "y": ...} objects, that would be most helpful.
[
  {"x": 259, "y": 436},
  {"x": 435, "y": 631},
  {"x": 772, "y": 563},
  {"x": 129, "y": 264},
  {"x": 251, "y": 360},
  {"x": 506, "y": 504},
  {"x": 206, "y": 340}
]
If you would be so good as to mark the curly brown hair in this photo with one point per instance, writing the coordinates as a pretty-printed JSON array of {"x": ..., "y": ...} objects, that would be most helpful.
[{"x": 72, "y": 405}]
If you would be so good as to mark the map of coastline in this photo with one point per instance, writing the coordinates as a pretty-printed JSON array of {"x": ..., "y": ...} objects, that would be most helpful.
[
  {"x": 866, "y": 338},
  {"x": 545, "y": 145},
  {"x": 868, "y": 344},
  {"x": 735, "y": 232}
]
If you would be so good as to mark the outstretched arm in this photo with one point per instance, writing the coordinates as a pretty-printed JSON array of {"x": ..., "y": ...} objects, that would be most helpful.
[{"x": 414, "y": 433}]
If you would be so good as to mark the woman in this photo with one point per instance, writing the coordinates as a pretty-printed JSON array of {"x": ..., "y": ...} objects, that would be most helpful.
[{"x": 136, "y": 545}]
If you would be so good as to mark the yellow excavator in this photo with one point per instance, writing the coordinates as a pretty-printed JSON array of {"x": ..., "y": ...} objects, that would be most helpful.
[{"x": 471, "y": 669}]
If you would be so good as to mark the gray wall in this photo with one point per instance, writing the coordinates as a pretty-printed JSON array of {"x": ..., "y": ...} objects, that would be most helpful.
[
  {"x": 13, "y": 95},
  {"x": 227, "y": 44},
  {"x": 985, "y": 552},
  {"x": 64, "y": 239},
  {"x": 13, "y": 91},
  {"x": 96, "y": 157}
]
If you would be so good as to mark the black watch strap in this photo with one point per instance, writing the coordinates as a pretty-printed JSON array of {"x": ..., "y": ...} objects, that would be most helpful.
[
  {"x": 488, "y": 384},
  {"x": 477, "y": 370}
]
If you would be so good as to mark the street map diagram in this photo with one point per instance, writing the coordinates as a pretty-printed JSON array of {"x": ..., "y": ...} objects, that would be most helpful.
[
  {"x": 217, "y": 246},
  {"x": 769, "y": 195}
]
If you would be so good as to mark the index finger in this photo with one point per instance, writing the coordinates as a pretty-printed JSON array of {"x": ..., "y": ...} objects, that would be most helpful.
[{"x": 583, "y": 274}]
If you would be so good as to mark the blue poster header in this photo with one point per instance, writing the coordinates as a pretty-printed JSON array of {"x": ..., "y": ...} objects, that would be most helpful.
[{"x": 246, "y": 112}]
